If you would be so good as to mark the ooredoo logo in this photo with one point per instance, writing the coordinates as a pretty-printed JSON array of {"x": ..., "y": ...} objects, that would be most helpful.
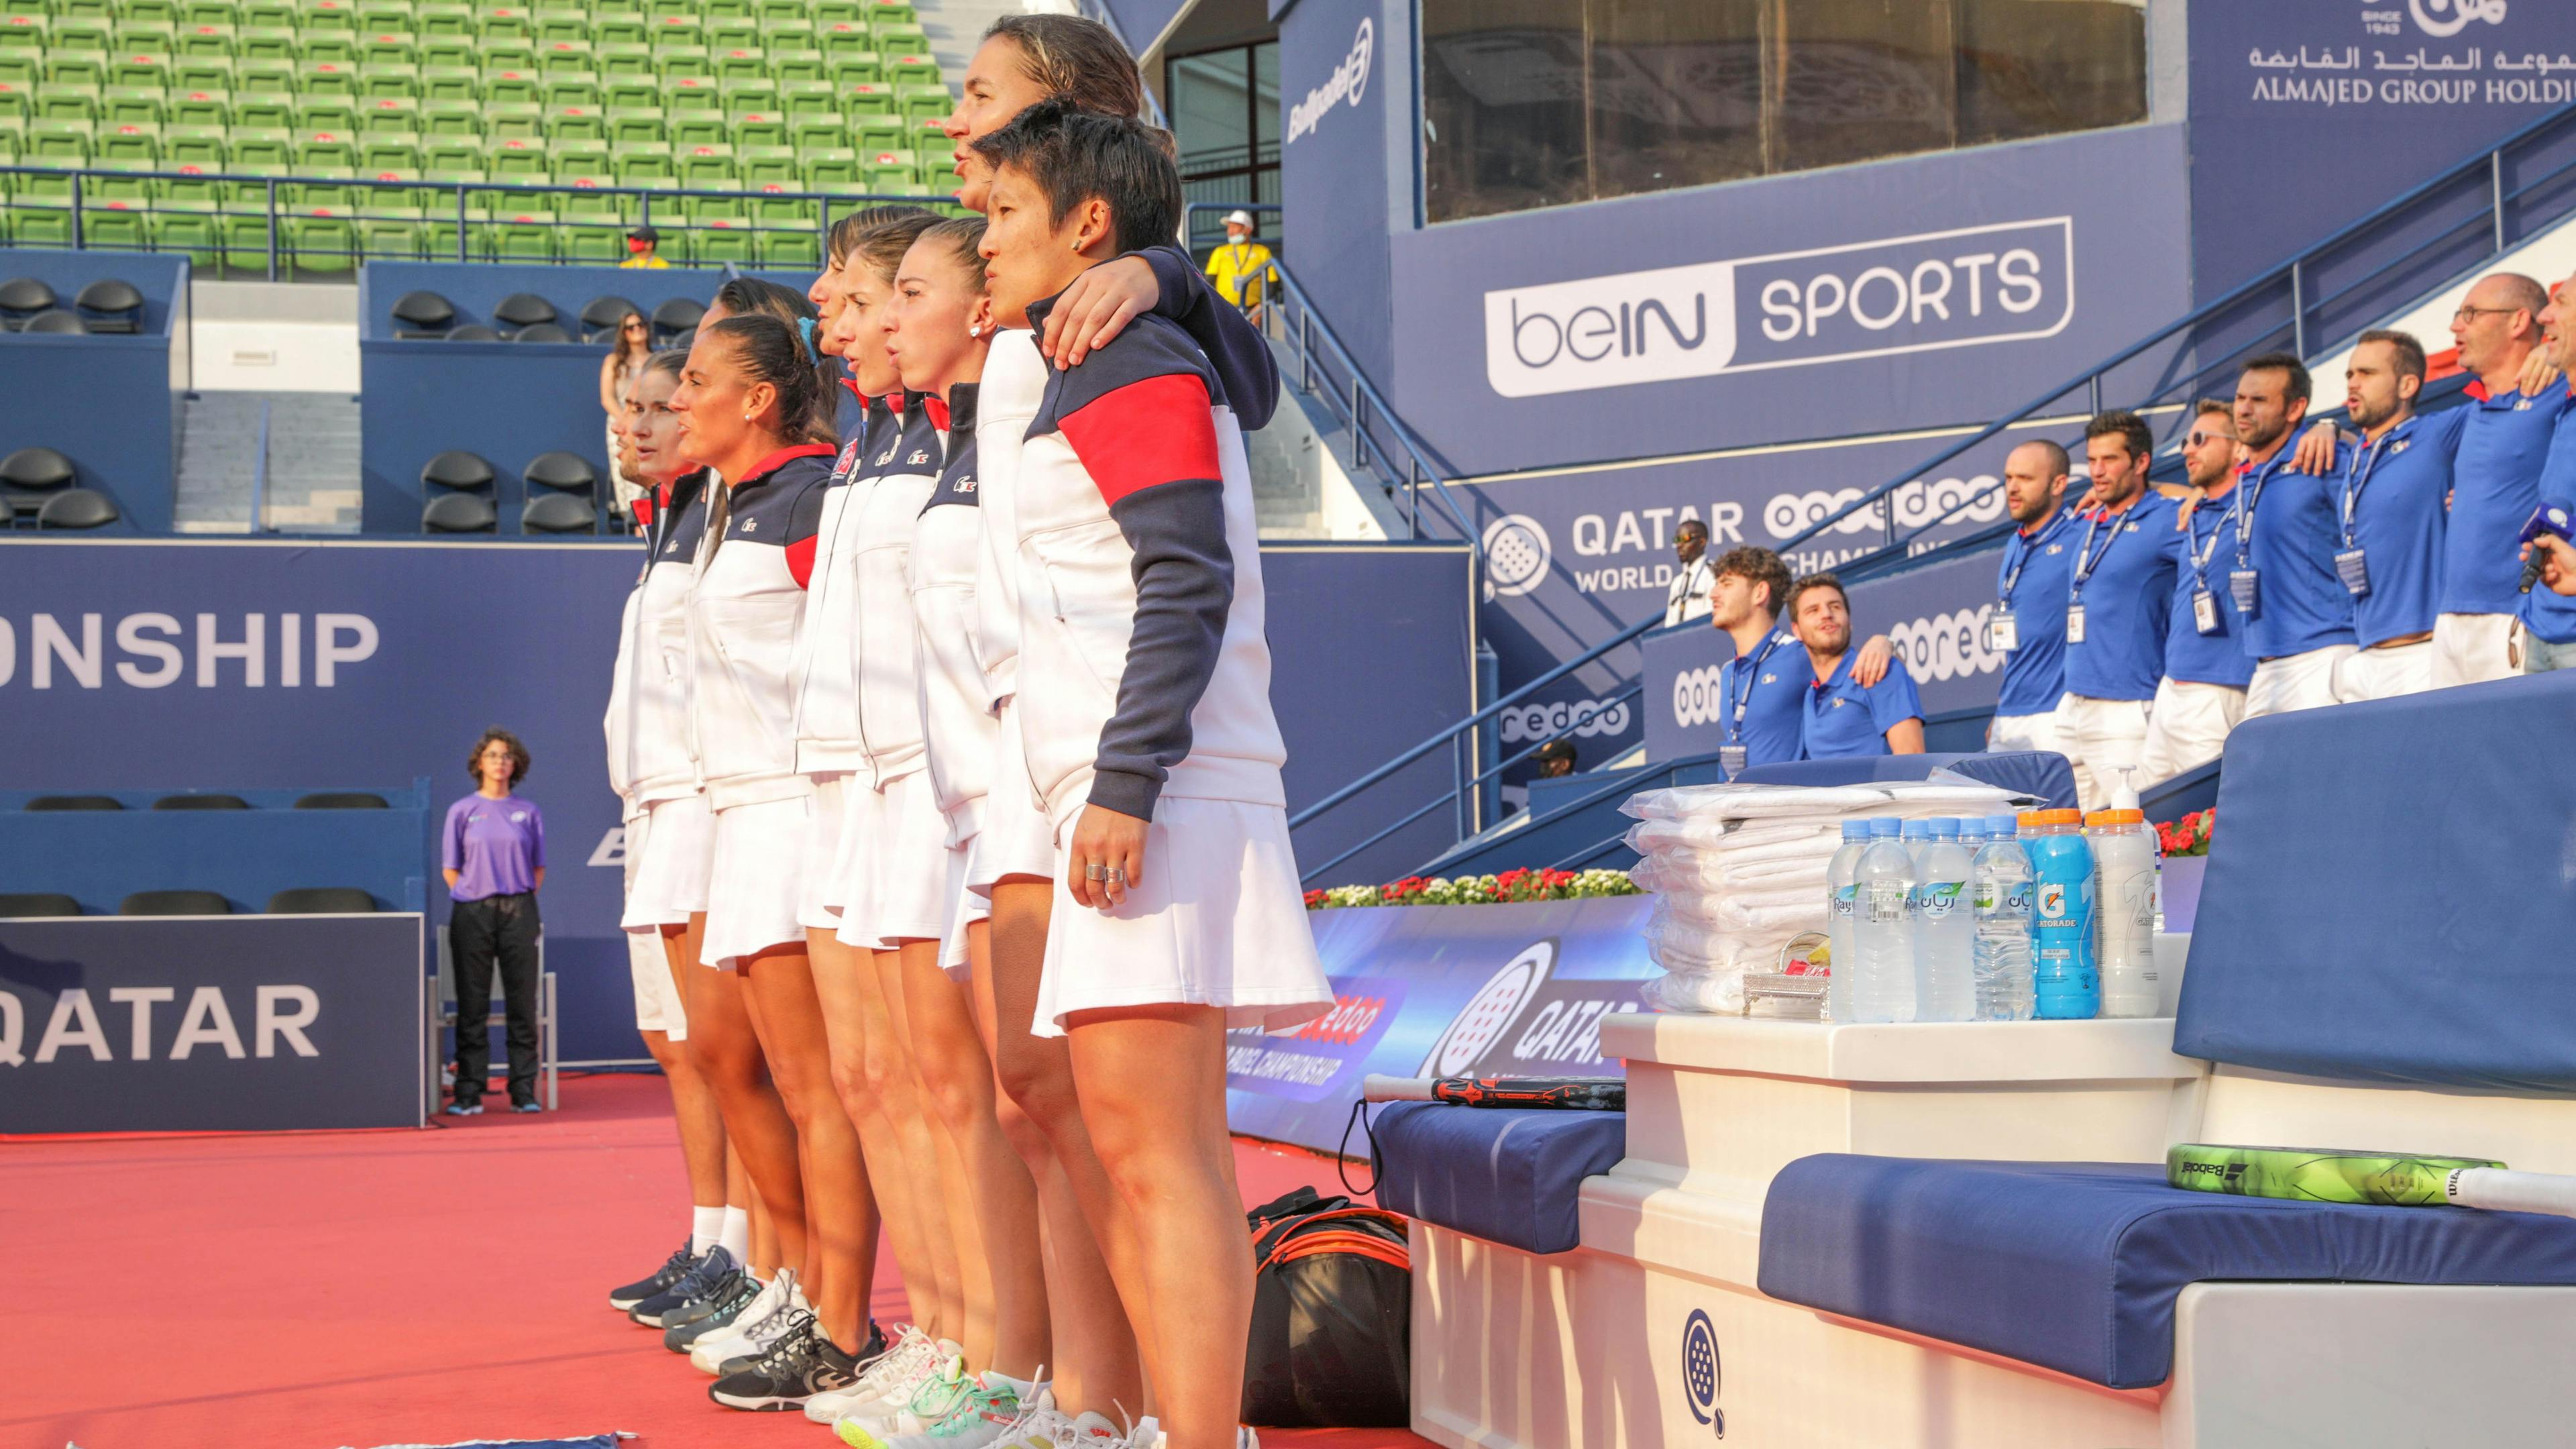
[
  {"x": 2007, "y": 282},
  {"x": 1945, "y": 500},
  {"x": 2444, "y": 18},
  {"x": 1517, "y": 554},
  {"x": 1348, "y": 82},
  {"x": 1948, "y": 646},
  {"x": 1697, "y": 696},
  {"x": 1490, "y": 1012},
  {"x": 1582, "y": 717}
]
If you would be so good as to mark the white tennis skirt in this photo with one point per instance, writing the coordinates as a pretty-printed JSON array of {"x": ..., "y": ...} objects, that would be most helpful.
[
  {"x": 673, "y": 846},
  {"x": 965, "y": 907},
  {"x": 900, "y": 889},
  {"x": 658, "y": 1006},
  {"x": 1218, "y": 920},
  {"x": 819, "y": 909},
  {"x": 1016, "y": 839},
  {"x": 759, "y": 880}
]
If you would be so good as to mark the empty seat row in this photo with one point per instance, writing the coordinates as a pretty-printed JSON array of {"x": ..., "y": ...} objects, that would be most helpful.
[
  {"x": 303, "y": 901},
  {"x": 424, "y": 315},
  {"x": 36, "y": 488},
  {"x": 561, "y": 493},
  {"x": 319, "y": 800},
  {"x": 108, "y": 305}
]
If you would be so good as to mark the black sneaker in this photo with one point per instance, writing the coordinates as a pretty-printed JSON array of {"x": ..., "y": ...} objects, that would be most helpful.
[
  {"x": 681, "y": 1330},
  {"x": 801, "y": 1365},
  {"x": 673, "y": 1269},
  {"x": 698, "y": 1282}
]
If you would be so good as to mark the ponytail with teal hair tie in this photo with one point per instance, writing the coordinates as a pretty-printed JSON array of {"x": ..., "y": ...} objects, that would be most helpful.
[{"x": 805, "y": 334}]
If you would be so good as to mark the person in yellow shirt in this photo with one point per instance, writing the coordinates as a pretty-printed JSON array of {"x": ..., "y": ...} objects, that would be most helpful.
[
  {"x": 1241, "y": 269},
  {"x": 643, "y": 246}
]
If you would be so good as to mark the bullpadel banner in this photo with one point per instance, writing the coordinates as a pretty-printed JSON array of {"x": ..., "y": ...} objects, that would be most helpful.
[{"x": 1443, "y": 991}]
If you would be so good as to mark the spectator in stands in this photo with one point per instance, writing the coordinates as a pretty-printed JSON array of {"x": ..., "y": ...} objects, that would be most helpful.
[
  {"x": 625, "y": 357},
  {"x": 2298, "y": 615},
  {"x": 493, "y": 852},
  {"x": 1242, "y": 269},
  {"x": 2391, "y": 513},
  {"x": 2119, "y": 594},
  {"x": 2504, "y": 443},
  {"x": 2206, "y": 666},
  {"x": 1842, "y": 715},
  {"x": 1555, "y": 759},
  {"x": 1688, "y": 597},
  {"x": 2548, "y": 634},
  {"x": 2028, "y": 624},
  {"x": 643, "y": 250}
]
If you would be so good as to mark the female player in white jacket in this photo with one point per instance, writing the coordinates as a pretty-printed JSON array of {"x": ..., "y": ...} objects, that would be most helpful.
[{"x": 748, "y": 396}]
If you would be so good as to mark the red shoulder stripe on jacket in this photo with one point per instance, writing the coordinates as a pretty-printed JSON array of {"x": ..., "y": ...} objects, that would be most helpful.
[
  {"x": 1156, "y": 431},
  {"x": 800, "y": 561}
]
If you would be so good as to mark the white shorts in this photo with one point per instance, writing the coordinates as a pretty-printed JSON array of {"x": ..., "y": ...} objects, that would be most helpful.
[
  {"x": 2188, "y": 727},
  {"x": 819, "y": 909},
  {"x": 2384, "y": 673},
  {"x": 758, "y": 882},
  {"x": 658, "y": 1005},
  {"x": 2295, "y": 681},
  {"x": 965, "y": 908},
  {"x": 670, "y": 850},
  {"x": 1219, "y": 919},
  {"x": 2098, "y": 737},
  {"x": 2472, "y": 648},
  {"x": 1016, "y": 839},
  {"x": 2011, "y": 732},
  {"x": 900, "y": 890}
]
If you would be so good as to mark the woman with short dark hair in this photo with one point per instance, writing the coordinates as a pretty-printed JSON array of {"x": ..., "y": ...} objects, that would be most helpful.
[{"x": 493, "y": 852}]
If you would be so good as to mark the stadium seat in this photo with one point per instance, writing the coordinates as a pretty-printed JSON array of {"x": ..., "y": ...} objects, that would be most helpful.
[
  {"x": 597, "y": 238},
  {"x": 22, "y": 905},
  {"x": 320, "y": 238},
  {"x": 174, "y": 903},
  {"x": 201, "y": 802},
  {"x": 341, "y": 800},
  {"x": 75, "y": 802},
  {"x": 459, "y": 513},
  {"x": 77, "y": 508},
  {"x": 20, "y": 299},
  {"x": 110, "y": 305},
  {"x": 522, "y": 309},
  {"x": 601, "y": 317},
  {"x": 58, "y": 322},
  {"x": 542, "y": 332},
  {"x": 676, "y": 321},
  {"x": 459, "y": 470},
  {"x": 321, "y": 901},
  {"x": 426, "y": 315}
]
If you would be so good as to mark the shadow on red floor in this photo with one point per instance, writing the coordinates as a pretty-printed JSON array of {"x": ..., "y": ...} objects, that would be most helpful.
[{"x": 317, "y": 1290}]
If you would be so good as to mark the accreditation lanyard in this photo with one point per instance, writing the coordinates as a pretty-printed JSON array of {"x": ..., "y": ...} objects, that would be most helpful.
[
  {"x": 2244, "y": 583},
  {"x": 1733, "y": 754},
  {"x": 2352, "y": 564},
  {"x": 2030, "y": 544},
  {"x": 2088, "y": 558}
]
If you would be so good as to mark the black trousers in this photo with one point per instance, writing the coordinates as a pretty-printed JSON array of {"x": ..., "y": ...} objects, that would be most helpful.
[{"x": 496, "y": 930}]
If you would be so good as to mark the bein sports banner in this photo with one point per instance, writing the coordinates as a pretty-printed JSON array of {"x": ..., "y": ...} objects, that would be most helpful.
[{"x": 1443, "y": 991}]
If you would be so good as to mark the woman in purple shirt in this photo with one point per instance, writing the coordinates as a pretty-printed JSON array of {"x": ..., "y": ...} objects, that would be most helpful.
[{"x": 493, "y": 849}]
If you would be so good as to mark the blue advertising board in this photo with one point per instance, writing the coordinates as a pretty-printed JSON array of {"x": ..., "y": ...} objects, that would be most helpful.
[
  {"x": 1443, "y": 991},
  {"x": 202, "y": 1024}
]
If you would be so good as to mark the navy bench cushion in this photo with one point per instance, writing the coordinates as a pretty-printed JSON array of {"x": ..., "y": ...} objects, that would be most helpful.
[
  {"x": 1509, "y": 1177},
  {"x": 2075, "y": 1266}
]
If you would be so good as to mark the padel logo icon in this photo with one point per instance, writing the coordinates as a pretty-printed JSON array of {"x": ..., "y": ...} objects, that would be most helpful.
[
  {"x": 1701, "y": 1377},
  {"x": 1517, "y": 555},
  {"x": 1490, "y": 1012}
]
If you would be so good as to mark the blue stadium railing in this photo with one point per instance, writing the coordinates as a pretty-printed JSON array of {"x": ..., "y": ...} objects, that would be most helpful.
[{"x": 2316, "y": 299}]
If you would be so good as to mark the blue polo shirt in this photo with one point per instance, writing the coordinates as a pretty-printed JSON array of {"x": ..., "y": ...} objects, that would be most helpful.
[
  {"x": 2208, "y": 548},
  {"x": 2031, "y": 582},
  {"x": 2391, "y": 505},
  {"x": 1844, "y": 719},
  {"x": 2504, "y": 444},
  {"x": 2127, "y": 562},
  {"x": 1771, "y": 685},
  {"x": 2291, "y": 540},
  {"x": 2544, "y": 613}
]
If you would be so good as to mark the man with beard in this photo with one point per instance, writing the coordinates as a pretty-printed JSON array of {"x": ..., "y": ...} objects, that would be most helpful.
[
  {"x": 1761, "y": 691},
  {"x": 2282, "y": 571},
  {"x": 2028, "y": 624},
  {"x": 2119, "y": 601},
  {"x": 2206, "y": 666},
  {"x": 2391, "y": 518},
  {"x": 2548, "y": 620},
  {"x": 1843, "y": 716}
]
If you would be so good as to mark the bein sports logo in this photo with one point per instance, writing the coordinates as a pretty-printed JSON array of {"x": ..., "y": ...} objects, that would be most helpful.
[
  {"x": 2008, "y": 282},
  {"x": 2430, "y": 19},
  {"x": 1348, "y": 82},
  {"x": 1517, "y": 554},
  {"x": 1701, "y": 1375},
  {"x": 1947, "y": 500}
]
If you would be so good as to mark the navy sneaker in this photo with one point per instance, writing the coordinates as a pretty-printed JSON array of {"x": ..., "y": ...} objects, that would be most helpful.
[
  {"x": 698, "y": 1282},
  {"x": 802, "y": 1364},
  {"x": 673, "y": 1269},
  {"x": 683, "y": 1326}
]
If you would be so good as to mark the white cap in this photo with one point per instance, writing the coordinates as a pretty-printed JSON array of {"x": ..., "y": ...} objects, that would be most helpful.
[{"x": 1238, "y": 218}]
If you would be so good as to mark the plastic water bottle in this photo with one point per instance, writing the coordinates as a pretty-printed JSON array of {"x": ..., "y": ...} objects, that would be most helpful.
[
  {"x": 2000, "y": 881},
  {"x": 2125, "y": 930},
  {"x": 1944, "y": 929},
  {"x": 1840, "y": 872},
  {"x": 1882, "y": 943},
  {"x": 2065, "y": 985}
]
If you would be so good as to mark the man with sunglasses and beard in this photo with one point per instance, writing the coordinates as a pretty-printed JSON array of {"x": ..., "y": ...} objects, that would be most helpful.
[{"x": 2202, "y": 695}]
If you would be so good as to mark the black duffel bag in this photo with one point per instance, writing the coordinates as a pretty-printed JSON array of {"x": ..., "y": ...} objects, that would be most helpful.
[{"x": 1332, "y": 1316}]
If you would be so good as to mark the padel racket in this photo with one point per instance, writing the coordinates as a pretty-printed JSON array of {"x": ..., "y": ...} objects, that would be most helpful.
[{"x": 1578, "y": 1094}]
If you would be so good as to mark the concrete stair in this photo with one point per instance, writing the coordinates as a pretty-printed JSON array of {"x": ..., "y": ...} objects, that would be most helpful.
[{"x": 311, "y": 460}]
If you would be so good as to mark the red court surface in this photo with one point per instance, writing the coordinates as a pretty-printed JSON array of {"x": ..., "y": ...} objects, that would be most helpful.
[{"x": 317, "y": 1290}]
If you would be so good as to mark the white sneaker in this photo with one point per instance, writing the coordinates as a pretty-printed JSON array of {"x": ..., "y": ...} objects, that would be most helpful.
[
  {"x": 897, "y": 1365},
  {"x": 1244, "y": 1438},
  {"x": 990, "y": 1414},
  {"x": 751, "y": 1334},
  {"x": 828, "y": 1408},
  {"x": 1088, "y": 1430},
  {"x": 935, "y": 1385}
]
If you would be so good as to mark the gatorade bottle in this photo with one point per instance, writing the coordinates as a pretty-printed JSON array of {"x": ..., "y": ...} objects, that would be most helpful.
[
  {"x": 2000, "y": 881},
  {"x": 1840, "y": 873},
  {"x": 1882, "y": 986},
  {"x": 2125, "y": 923},
  {"x": 2065, "y": 983},
  {"x": 1944, "y": 930}
]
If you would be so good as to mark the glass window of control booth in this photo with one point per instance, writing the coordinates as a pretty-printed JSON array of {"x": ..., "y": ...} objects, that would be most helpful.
[
  {"x": 1225, "y": 120},
  {"x": 1541, "y": 102}
]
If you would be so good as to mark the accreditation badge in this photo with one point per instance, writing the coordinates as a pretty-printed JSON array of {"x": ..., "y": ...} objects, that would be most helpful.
[
  {"x": 2003, "y": 631},
  {"x": 2246, "y": 586},
  {"x": 2075, "y": 623},
  {"x": 1730, "y": 758},
  {"x": 2354, "y": 570},
  {"x": 2204, "y": 612}
]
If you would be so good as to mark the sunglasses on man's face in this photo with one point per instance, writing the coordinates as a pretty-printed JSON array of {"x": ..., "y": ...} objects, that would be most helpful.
[{"x": 2199, "y": 439}]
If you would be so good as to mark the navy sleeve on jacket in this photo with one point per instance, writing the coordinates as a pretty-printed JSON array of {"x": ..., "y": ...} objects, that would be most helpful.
[
  {"x": 1244, "y": 366},
  {"x": 1141, "y": 424}
]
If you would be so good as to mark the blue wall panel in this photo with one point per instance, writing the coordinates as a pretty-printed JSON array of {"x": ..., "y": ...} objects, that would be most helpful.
[{"x": 110, "y": 404}]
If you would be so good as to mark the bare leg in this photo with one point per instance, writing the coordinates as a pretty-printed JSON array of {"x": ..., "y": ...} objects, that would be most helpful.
[
  {"x": 1096, "y": 1292},
  {"x": 693, "y": 1102},
  {"x": 864, "y": 1053},
  {"x": 727, "y": 1053},
  {"x": 764, "y": 1238},
  {"x": 839, "y": 1211},
  {"x": 835, "y": 967},
  {"x": 1152, "y": 1084},
  {"x": 919, "y": 1134}
]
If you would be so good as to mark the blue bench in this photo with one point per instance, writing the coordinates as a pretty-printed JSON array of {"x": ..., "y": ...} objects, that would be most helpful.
[
  {"x": 2388, "y": 905},
  {"x": 1509, "y": 1177}
]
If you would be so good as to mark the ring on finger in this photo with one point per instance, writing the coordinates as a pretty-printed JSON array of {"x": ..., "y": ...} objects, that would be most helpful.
[
  {"x": 1117, "y": 874},
  {"x": 1096, "y": 871}
]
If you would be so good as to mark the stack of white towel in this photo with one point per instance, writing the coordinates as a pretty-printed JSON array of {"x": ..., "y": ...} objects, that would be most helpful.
[{"x": 1738, "y": 871}]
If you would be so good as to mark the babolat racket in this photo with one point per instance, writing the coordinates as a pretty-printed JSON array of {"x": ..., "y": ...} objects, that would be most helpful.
[
  {"x": 2376, "y": 1178},
  {"x": 1577, "y": 1094}
]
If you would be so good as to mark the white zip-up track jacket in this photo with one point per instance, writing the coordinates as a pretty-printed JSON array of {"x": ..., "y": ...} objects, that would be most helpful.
[{"x": 744, "y": 614}]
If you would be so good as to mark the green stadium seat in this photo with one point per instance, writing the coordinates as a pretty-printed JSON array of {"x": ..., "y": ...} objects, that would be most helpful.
[
  {"x": 698, "y": 128},
  {"x": 576, "y": 123},
  {"x": 510, "y": 87},
  {"x": 139, "y": 68},
  {"x": 610, "y": 30},
  {"x": 935, "y": 169},
  {"x": 398, "y": 46},
  {"x": 581, "y": 151},
  {"x": 506, "y": 24},
  {"x": 733, "y": 66},
  {"x": 187, "y": 227},
  {"x": 787, "y": 32},
  {"x": 200, "y": 146},
  {"x": 203, "y": 73},
  {"x": 202, "y": 40},
  {"x": 673, "y": 63},
  {"x": 22, "y": 68},
  {"x": 618, "y": 60},
  {"x": 329, "y": 15},
  {"x": 199, "y": 108},
  {"x": 390, "y": 233},
  {"x": 42, "y": 187},
  {"x": 554, "y": 25},
  {"x": 337, "y": 47},
  {"x": 562, "y": 88},
  {"x": 450, "y": 153},
  {"x": 65, "y": 141},
  {"x": 75, "y": 69},
  {"x": 388, "y": 113},
  {"x": 750, "y": 95},
  {"x": 788, "y": 67},
  {"x": 725, "y": 9},
  {"x": 320, "y": 186},
  {"x": 152, "y": 12},
  {"x": 443, "y": 85},
  {"x": 264, "y": 42},
  {"x": 759, "y": 128},
  {"x": 692, "y": 93},
  {"x": 912, "y": 70},
  {"x": 515, "y": 120},
  {"x": 388, "y": 80},
  {"x": 867, "y": 98},
  {"x": 637, "y": 166},
  {"x": 17, "y": 100},
  {"x": 22, "y": 30},
  {"x": 449, "y": 52},
  {"x": 677, "y": 27},
  {"x": 397, "y": 16},
  {"x": 380, "y": 198},
  {"x": 209, "y": 12},
  {"x": 830, "y": 12},
  {"x": 516, "y": 159},
  {"x": 523, "y": 236},
  {"x": 320, "y": 150},
  {"x": 448, "y": 20},
  {"x": 847, "y": 38},
  {"x": 40, "y": 225},
  {"x": 264, "y": 75},
  {"x": 721, "y": 237},
  {"x": 926, "y": 103},
  {"x": 731, "y": 34},
  {"x": 657, "y": 11},
  {"x": 834, "y": 170},
  {"x": 887, "y": 171},
  {"x": 329, "y": 113},
  {"x": 518, "y": 55},
  {"x": 81, "y": 33},
  {"x": 706, "y": 168},
  {"x": 131, "y": 105},
  {"x": 567, "y": 58},
  {"x": 439, "y": 239},
  {"x": 390, "y": 151},
  {"x": 145, "y": 37},
  {"x": 898, "y": 12},
  {"x": 598, "y": 238},
  {"x": 901, "y": 35},
  {"x": 321, "y": 239},
  {"x": 628, "y": 125},
  {"x": 127, "y": 143},
  {"x": 597, "y": 177},
  {"x": 67, "y": 103},
  {"x": 788, "y": 249},
  {"x": 120, "y": 184},
  {"x": 631, "y": 93},
  {"x": 801, "y": 99},
  {"x": 267, "y": 111}
]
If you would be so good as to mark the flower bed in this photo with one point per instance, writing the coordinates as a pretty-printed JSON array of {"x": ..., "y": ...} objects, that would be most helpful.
[
  {"x": 1478, "y": 890},
  {"x": 2189, "y": 835}
]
